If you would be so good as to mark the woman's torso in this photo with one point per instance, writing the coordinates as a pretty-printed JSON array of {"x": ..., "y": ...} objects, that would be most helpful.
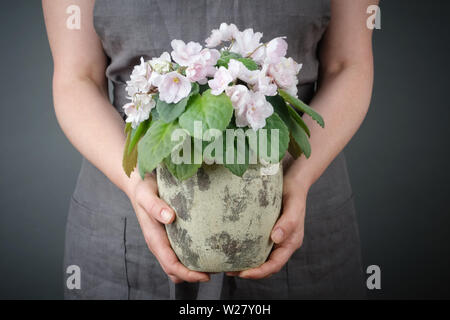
[{"x": 131, "y": 29}]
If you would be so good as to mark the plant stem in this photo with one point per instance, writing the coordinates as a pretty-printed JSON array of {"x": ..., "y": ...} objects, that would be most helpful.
[
  {"x": 262, "y": 44},
  {"x": 231, "y": 44}
]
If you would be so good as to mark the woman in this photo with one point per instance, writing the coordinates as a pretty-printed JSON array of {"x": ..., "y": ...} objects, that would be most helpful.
[{"x": 124, "y": 257}]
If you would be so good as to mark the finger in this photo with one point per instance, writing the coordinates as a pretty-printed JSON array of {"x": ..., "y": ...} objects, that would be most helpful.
[
  {"x": 176, "y": 268},
  {"x": 171, "y": 265},
  {"x": 187, "y": 275},
  {"x": 160, "y": 246},
  {"x": 175, "y": 279},
  {"x": 293, "y": 214},
  {"x": 155, "y": 207},
  {"x": 276, "y": 261}
]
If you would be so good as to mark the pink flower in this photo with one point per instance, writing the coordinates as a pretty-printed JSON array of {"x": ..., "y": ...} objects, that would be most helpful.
[
  {"x": 250, "y": 108},
  {"x": 239, "y": 71},
  {"x": 139, "y": 79},
  {"x": 247, "y": 42},
  {"x": 234, "y": 67},
  {"x": 139, "y": 109},
  {"x": 197, "y": 73},
  {"x": 257, "y": 78},
  {"x": 224, "y": 33},
  {"x": 162, "y": 64},
  {"x": 240, "y": 97},
  {"x": 210, "y": 56},
  {"x": 156, "y": 79},
  {"x": 264, "y": 83},
  {"x": 220, "y": 81},
  {"x": 174, "y": 87},
  {"x": 214, "y": 39},
  {"x": 258, "y": 110},
  {"x": 275, "y": 50},
  {"x": 285, "y": 74},
  {"x": 228, "y": 31},
  {"x": 185, "y": 54},
  {"x": 204, "y": 66}
]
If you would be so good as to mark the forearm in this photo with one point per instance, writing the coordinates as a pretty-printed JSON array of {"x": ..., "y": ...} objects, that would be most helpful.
[
  {"x": 343, "y": 100},
  {"x": 91, "y": 124}
]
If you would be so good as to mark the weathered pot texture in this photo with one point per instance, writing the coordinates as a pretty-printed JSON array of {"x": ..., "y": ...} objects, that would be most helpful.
[{"x": 223, "y": 221}]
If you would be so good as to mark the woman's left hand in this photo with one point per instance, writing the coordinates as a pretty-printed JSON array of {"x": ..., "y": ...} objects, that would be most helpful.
[{"x": 287, "y": 234}]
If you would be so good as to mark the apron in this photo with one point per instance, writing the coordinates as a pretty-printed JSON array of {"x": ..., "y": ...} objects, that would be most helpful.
[{"x": 103, "y": 236}]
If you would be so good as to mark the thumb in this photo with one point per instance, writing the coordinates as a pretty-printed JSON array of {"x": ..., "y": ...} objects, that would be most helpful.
[
  {"x": 292, "y": 216},
  {"x": 157, "y": 208}
]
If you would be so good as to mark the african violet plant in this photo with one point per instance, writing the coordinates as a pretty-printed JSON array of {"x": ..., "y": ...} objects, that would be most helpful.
[{"x": 245, "y": 85}]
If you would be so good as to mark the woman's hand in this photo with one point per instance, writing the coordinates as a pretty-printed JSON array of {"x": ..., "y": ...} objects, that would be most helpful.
[
  {"x": 152, "y": 213},
  {"x": 287, "y": 233}
]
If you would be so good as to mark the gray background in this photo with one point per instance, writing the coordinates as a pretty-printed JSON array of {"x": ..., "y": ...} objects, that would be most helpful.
[{"x": 398, "y": 161}]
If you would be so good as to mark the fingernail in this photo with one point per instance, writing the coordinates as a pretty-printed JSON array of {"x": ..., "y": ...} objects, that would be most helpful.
[
  {"x": 204, "y": 279},
  {"x": 166, "y": 215},
  {"x": 277, "y": 235}
]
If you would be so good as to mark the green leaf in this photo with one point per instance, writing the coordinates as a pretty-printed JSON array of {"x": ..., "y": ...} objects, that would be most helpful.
[
  {"x": 301, "y": 106},
  {"x": 281, "y": 108},
  {"x": 213, "y": 112},
  {"x": 294, "y": 148},
  {"x": 300, "y": 135},
  {"x": 236, "y": 168},
  {"x": 183, "y": 170},
  {"x": 274, "y": 122},
  {"x": 225, "y": 57},
  {"x": 168, "y": 112},
  {"x": 195, "y": 88},
  {"x": 129, "y": 159},
  {"x": 154, "y": 114},
  {"x": 298, "y": 119},
  {"x": 156, "y": 145},
  {"x": 303, "y": 142},
  {"x": 127, "y": 128},
  {"x": 203, "y": 88},
  {"x": 137, "y": 134},
  {"x": 286, "y": 113},
  {"x": 249, "y": 63},
  {"x": 298, "y": 129}
]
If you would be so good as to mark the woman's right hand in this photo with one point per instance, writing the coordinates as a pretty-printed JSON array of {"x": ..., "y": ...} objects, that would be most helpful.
[{"x": 152, "y": 212}]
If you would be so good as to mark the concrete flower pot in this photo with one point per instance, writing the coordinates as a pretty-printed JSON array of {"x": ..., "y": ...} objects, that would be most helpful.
[{"x": 223, "y": 221}]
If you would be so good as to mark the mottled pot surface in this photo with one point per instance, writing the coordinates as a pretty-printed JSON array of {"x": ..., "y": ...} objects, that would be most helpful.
[{"x": 223, "y": 221}]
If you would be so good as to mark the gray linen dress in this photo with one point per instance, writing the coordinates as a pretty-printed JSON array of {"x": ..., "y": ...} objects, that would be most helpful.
[{"x": 103, "y": 236}]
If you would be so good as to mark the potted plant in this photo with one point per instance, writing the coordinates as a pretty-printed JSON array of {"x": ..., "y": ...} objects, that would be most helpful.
[{"x": 215, "y": 125}]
